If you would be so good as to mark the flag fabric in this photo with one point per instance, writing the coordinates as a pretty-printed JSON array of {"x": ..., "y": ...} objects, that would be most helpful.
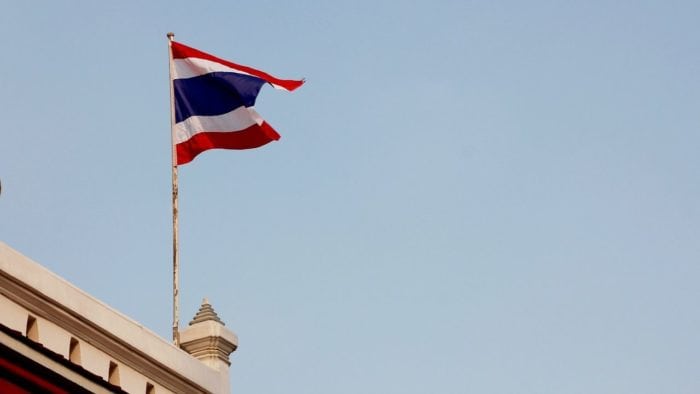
[{"x": 214, "y": 103}]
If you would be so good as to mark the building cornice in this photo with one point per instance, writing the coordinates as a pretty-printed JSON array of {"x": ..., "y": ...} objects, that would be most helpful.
[{"x": 52, "y": 298}]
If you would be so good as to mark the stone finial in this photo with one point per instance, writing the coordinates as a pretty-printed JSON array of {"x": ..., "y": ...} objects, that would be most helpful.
[
  {"x": 207, "y": 339},
  {"x": 206, "y": 312}
]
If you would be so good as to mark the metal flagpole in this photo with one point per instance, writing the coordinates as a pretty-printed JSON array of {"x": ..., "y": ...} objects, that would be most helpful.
[{"x": 176, "y": 254}]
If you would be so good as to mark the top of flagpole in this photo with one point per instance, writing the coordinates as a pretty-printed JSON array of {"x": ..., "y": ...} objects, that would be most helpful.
[{"x": 171, "y": 36}]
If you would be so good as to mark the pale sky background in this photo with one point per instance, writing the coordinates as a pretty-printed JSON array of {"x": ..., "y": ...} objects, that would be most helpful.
[{"x": 468, "y": 196}]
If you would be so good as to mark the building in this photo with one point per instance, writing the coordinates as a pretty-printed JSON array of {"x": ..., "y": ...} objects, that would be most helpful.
[{"x": 55, "y": 338}]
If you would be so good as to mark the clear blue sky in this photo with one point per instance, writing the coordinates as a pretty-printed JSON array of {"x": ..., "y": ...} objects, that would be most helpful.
[{"x": 468, "y": 196}]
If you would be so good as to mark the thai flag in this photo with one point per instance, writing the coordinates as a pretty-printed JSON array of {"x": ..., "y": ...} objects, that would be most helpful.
[{"x": 214, "y": 103}]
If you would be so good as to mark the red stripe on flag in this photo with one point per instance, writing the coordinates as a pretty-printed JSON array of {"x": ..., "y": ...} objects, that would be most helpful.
[
  {"x": 249, "y": 138},
  {"x": 181, "y": 51}
]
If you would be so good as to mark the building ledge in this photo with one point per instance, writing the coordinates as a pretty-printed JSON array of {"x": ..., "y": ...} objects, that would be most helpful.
[{"x": 53, "y": 299}]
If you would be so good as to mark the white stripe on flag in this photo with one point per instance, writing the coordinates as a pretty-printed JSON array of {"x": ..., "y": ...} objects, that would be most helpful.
[
  {"x": 238, "y": 119},
  {"x": 192, "y": 67}
]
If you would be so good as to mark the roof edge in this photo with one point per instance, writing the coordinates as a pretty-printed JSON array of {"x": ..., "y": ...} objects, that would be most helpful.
[{"x": 55, "y": 299}]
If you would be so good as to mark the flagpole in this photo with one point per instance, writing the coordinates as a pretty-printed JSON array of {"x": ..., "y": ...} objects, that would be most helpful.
[{"x": 176, "y": 253}]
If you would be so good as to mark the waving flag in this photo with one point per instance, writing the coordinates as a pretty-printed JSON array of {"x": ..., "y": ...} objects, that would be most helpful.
[{"x": 214, "y": 103}]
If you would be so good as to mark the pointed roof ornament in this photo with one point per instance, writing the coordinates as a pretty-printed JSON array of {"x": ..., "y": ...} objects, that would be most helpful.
[
  {"x": 206, "y": 313},
  {"x": 207, "y": 339}
]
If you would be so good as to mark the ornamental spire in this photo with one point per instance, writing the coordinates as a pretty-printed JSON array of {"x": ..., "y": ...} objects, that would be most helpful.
[
  {"x": 206, "y": 312},
  {"x": 207, "y": 339}
]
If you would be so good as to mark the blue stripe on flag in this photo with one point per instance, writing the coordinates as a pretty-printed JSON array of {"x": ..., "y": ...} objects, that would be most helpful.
[{"x": 215, "y": 93}]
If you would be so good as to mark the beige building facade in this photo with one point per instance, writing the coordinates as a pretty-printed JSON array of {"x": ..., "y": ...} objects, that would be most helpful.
[{"x": 80, "y": 343}]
